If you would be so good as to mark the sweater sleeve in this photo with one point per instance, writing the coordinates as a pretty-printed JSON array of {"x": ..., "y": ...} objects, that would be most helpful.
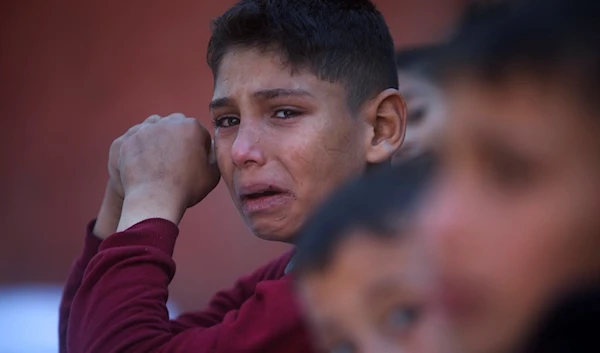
[
  {"x": 120, "y": 305},
  {"x": 231, "y": 299},
  {"x": 90, "y": 248}
]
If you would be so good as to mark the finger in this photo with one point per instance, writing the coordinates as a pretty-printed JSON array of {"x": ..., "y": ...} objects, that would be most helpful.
[
  {"x": 175, "y": 116},
  {"x": 152, "y": 119},
  {"x": 132, "y": 130}
]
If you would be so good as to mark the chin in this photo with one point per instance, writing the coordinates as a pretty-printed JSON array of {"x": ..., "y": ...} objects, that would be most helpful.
[
  {"x": 274, "y": 236},
  {"x": 280, "y": 230},
  {"x": 273, "y": 232}
]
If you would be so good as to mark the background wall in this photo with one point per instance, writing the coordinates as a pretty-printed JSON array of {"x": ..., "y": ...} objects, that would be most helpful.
[{"x": 76, "y": 74}]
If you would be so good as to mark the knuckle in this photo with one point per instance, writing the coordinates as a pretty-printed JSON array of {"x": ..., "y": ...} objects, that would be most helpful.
[
  {"x": 132, "y": 130},
  {"x": 153, "y": 117},
  {"x": 116, "y": 142},
  {"x": 199, "y": 126},
  {"x": 176, "y": 116}
]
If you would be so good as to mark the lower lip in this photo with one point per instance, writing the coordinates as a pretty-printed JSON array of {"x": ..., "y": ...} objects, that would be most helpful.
[{"x": 265, "y": 203}]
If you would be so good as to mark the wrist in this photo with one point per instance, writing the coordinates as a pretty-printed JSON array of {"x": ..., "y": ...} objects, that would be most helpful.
[
  {"x": 109, "y": 214},
  {"x": 148, "y": 203}
]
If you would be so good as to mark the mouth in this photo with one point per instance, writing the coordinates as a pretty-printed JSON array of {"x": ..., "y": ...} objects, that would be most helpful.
[
  {"x": 263, "y": 199},
  {"x": 261, "y": 194}
]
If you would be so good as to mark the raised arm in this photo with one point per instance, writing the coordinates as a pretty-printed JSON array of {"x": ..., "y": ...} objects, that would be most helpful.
[
  {"x": 162, "y": 167},
  {"x": 104, "y": 225},
  {"x": 121, "y": 304}
]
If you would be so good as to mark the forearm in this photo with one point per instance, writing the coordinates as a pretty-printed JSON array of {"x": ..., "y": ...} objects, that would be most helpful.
[
  {"x": 91, "y": 244},
  {"x": 109, "y": 214},
  {"x": 121, "y": 302}
]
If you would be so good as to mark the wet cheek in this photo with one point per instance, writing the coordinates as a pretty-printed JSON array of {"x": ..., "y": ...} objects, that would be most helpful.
[{"x": 320, "y": 153}]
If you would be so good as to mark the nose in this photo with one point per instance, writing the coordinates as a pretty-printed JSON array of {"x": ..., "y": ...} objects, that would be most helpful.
[{"x": 247, "y": 147}]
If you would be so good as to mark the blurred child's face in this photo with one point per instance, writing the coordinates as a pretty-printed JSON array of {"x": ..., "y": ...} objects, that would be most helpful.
[
  {"x": 514, "y": 215},
  {"x": 425, "y": 115},
  {"x": 369, "y": 298}
]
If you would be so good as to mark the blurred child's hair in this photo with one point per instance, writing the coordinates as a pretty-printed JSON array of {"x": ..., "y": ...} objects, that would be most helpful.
[
  {"x": 548, "y": 40},
  {"x": 479, "y": 12},
  {"x": 375, "y": 203},
  {"x": 418, "y": 59},
  {"x": 421, "y": 59}
]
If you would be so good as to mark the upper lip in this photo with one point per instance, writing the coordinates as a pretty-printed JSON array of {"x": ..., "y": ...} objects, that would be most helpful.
[{"x": 246, "y": 190}]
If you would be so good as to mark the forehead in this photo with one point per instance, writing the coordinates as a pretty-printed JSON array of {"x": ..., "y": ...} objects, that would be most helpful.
[
  {"x": 244, "y": 71},
  {"x": 522, "y": 111},
  {"x": 363, "y": 263}
]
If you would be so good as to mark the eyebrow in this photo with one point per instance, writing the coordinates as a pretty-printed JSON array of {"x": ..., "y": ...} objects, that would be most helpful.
[{"x": 261, "y": 95}]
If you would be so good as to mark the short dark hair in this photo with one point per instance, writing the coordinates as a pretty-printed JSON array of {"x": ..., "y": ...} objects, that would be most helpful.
[
  {"x": 540, "y": 38},
  {"x": 343, "y": 41},
  {"x": 480, "y": 12},
  {"x": 375, "y": 203},
  {"x": 421, "y": 59}
]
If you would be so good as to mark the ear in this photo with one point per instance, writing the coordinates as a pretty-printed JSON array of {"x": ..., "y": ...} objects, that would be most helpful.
[{"x": 385, "y": 116}]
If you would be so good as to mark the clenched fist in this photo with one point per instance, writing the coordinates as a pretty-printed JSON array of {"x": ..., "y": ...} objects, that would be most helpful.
[
  {"x": 112, "y": 205},
  {"x": 164, "y": 166},
  {"x": 114, "y": 156}
]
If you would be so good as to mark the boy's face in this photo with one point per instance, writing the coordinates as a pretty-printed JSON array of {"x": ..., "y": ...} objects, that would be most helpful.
[
  {"x": 425, "y": 115},
  {"x": 283, "y": 140},
  {"x": 370, "y": 298},
  {"x": 512, "y": 219}
]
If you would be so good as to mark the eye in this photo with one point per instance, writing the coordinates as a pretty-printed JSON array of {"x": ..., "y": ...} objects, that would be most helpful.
[
  {"x": 508, "y": 169},
  {"x": 511, "y": 173},
  {"x": 401, "y": 319},
  {"x": 416, "y": 115},
  {"x": 226, "y": 121},
  {"x": 286, "y": 114}
]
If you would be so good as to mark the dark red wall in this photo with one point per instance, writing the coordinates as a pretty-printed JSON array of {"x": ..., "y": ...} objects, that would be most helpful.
[{"x": 76, "y": 74}]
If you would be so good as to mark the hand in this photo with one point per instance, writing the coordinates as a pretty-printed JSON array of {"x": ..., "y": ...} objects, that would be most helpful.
[
  {"x": 115, "y": 153},
  {"x": 112, "y": 205},
  {"x": 165, "y": 167}
]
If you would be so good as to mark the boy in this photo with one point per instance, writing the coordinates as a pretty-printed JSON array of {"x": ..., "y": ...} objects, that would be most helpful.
[
  {"x": 512, "y": 220},
  {"x": 358, "y": 279},
  {"x": 298, "y": 109}
]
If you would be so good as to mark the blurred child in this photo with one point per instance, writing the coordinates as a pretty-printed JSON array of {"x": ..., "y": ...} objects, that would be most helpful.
[
  {"x": 357, "y": 274},
  {"x": 512, "y": 220},
  {"x": 416, "y": 67},
  {"x": 423, "y": 100}
]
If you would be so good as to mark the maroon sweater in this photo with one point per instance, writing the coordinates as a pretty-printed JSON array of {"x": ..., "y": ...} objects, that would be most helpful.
[{"x": 116, "y": 294}]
